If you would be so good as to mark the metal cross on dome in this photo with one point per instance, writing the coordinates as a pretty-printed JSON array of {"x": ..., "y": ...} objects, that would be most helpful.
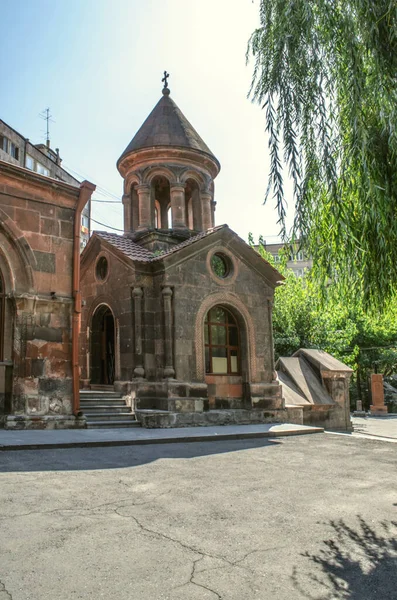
[{"x": 166, "y": 75}]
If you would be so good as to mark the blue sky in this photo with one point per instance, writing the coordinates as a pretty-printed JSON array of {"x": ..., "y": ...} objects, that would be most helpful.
[{"x": 98, "y": 65}]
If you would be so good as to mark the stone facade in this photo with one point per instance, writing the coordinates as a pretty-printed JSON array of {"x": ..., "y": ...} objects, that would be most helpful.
[
  {"x": 37, "y": 242},
  {"x": 159, "y": 307}
]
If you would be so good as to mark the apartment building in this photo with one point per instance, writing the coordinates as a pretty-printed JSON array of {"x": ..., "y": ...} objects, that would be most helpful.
[
  {"x": 298, "y": 261},
  {"x": 42, "y": 159}
]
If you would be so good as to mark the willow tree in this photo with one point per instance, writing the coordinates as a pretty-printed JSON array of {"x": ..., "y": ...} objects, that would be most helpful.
[{"x": 325, "y": 74}]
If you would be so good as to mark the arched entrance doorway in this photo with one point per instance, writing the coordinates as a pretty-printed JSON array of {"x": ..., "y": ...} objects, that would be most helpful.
[{"x": 103, "y": 346}]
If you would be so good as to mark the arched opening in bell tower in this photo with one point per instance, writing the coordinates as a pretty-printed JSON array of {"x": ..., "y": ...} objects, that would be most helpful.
[
  {"x": 131, "y": 210},
  {"x": 193, "y": 209},
  {"x": 160, "y": 188}
]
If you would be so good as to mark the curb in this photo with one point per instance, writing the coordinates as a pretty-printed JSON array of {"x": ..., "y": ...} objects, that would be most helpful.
[{"x": 152, "y": 441}]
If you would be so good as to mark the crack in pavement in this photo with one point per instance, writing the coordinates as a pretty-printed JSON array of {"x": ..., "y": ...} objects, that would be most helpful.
[
  {"x": 84, "y": 512},
  {"x": 6, "y": 592},
  {"x": 202, "y": 554},
  {"x": 185, "y": 547},
  {"x": 77, "y": 511},
  {"x": 191, "y": 580},
  {"x": 200, "y": 585}
]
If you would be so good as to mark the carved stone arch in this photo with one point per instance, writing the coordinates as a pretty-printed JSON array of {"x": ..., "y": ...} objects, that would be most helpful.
[
  {"x": 105, "y": 299},
  {"x": 8, "y": 309},
  {"x": 130, "y": 201},
  {"x": 232, "y": 302},
  {"x": 132, "y": 179},
  {"x": 156, "y": 171},
  {"x": 198, "y": 177},
  {"x": 6, "y": 270},
  {"x": 18, "y": 255}
]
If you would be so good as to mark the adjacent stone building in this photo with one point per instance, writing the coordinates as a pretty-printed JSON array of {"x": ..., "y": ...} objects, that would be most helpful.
[{"x": 39, "y": 297}]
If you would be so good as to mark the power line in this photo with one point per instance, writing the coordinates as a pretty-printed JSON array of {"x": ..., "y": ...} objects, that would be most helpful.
[
  {"x": 100, "y": 189},
  {"x": 105, "y": 201},
  {"x": 104, "y": 225}
]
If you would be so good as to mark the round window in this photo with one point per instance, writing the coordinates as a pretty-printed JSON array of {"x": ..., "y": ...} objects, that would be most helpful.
[
  {"x": 102, "y": 268},
  {"x": 220, "y": 265}
]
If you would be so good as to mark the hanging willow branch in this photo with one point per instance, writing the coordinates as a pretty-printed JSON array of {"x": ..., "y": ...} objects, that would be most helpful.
[{"x": 325, "y": 73}]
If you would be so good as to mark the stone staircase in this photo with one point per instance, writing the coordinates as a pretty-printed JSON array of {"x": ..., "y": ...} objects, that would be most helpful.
[{"x": 105, "y": 408}]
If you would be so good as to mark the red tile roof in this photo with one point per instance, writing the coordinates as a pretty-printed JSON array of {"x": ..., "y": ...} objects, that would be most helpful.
[{"x": 136, "y": 252}]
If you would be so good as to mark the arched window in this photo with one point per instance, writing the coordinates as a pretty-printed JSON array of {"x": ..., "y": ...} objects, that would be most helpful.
[
  {"x": 2, "y": 311},
  {"x": 169, "y": 217},
  {"x": 222, "y": 342}
]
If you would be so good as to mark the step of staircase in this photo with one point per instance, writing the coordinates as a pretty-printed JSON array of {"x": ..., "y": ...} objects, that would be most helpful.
[
  {"x": 94, "y": 409},
  {"x": 110, "y": 416},
  {"x": 101, "y": 401},
  {"x": 101, "y": 387},
  {"x": 112, "y": 424},
  {"x": 106, "y": 408},
  {"x": 87, "y": 394}
]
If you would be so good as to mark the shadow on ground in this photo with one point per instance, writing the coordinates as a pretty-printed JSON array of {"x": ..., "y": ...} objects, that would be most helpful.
[
  {"x": 354, "y": 564},
  {"x": 117, "y": 457}
]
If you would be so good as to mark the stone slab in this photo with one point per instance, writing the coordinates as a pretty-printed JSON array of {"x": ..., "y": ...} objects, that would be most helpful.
[
  {"x": 323, "y": 360},
  {"x": 30, "y": 440},
  {"x": 305, "y": 379}
]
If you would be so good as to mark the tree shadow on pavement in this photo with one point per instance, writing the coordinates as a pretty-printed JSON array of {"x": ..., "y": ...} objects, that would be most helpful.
[
  {"x": 114, "y": 457},
  {"x": 354, "y": 564}
]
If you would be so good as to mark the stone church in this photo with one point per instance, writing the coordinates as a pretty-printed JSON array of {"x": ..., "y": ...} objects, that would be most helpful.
[
  {"x": 177, "y": 312},
  {"x": 167, "y": 325}
]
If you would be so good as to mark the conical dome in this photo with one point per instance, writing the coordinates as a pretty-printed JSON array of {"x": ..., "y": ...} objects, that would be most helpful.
[
  {"x": 167, "y": 126},
  {"x": 168, "y": 174}
]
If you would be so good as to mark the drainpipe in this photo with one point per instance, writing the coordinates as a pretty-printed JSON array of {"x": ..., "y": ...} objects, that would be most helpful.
[{"x": 86, "y": 190}]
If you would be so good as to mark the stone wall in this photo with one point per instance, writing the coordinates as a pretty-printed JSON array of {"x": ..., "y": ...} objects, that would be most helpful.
[
  {"x": 115, "y": 292},
  {"x": 36, "y": 260}
]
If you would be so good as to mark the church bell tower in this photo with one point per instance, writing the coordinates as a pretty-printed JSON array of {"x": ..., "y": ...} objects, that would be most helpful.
[{"x": 168, "y": 173}]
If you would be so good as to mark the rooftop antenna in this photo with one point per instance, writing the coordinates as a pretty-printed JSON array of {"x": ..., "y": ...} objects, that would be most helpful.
[{"x": 45, "y": 114}]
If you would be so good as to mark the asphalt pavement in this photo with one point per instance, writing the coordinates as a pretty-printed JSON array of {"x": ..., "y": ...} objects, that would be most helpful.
[{"x": 288, "y": 518}]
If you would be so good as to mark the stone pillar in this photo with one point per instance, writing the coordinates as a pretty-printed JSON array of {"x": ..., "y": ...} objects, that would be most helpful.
[
  {"x": 169, "y": 371},
  {"x": 213, "y": 209},
  {"x": 144, "y": 206},
  {"x": 378, "y": 396},
  {"x": 270, "y": 325},
  {"x": 206, "y": 208},
  {"x": 137, "y": 295},
  {"x": 117, "y": 362},
  {"x": 178, "y": 207},
  {"x": 337, "y": 385},
  {"x": 127, "y": 212}
]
